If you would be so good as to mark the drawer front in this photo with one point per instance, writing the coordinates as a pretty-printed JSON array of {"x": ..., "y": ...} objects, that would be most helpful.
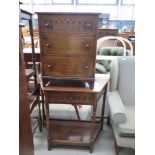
[
  {"x": 67, "y": 45},
  {"x": 68, "y": 67},
  {"x": 68, "y": 23},
  {"x": 72, "y": 98}
]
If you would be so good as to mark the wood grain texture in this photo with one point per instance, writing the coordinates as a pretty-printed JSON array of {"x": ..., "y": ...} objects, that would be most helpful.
[
  {"x": 68, "y": 45},
  {"x": 67, "y": 66},
  {"x": 26, "y": 146},
  {"x": 75, "y": 132}
]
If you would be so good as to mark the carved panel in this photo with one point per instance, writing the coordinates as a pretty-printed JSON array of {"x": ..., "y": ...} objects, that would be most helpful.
[
  {"x": 70, "y": 98},
  {"x": 68, "y": 24}
]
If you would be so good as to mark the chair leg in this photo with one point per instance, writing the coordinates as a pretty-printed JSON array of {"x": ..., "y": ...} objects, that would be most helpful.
[
  {"x": 117, "y": 148},
  {"x": 40, "y": 119}
]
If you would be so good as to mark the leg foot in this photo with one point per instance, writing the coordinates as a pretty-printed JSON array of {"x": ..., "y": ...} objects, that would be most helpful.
[
  {"x": 108, "y": 120},
  {"x": 117, "y": 148},
  {"x": 91, "y": 149},
  {"x": 49, "y": 146}
]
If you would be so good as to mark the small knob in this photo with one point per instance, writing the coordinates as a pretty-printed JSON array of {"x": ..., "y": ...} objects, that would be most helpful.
[
  {"x": 70, "y": 97},
  {"x": 85, "y": 67},
  {"x": 88, "y": 25},
  {"x": 49, "y": 66},
  {"x": 47, "y": 24},
  {"x": 48, "y": 45},
  {"x": 87, "y": 45}
]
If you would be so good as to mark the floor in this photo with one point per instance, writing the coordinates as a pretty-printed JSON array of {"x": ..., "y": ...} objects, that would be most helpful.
[{"x": 103, "y": 146}]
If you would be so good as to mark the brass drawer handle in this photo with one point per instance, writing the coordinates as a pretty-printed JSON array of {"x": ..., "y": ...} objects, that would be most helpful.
[
  {"x": 88, "y": 25},
  {"x": 48, "y": 45},
  {"x": 70, "y": 98},
  {"x": 86, "y": 67},
  {"x": 87, "y": 45},
  {"x": 47, "y": 25},
  {"x": 49, "y": 66}
]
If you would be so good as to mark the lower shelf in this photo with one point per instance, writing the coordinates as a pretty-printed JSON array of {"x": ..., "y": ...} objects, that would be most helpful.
[{"x": 72, "y": 132}]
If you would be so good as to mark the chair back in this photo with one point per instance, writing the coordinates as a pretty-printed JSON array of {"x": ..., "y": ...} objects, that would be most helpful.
[{"x": 123, "y": 78}]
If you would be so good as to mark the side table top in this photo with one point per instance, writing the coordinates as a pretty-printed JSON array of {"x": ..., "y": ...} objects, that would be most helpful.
[{"x": 100, "y": 82}]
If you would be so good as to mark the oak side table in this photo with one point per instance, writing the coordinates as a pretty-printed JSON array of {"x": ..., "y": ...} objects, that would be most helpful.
[{"x": 75, "y": 132}]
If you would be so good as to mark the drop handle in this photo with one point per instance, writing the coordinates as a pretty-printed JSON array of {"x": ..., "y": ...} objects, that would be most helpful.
[
  {"x": 86, "y": 67},
  {"x": 49, "y": 66},
  {"x": 48, "y": 45},
  {"x": 88, "y": 25},
  {"x": 70, "y": 97},
  {"x": 47, "y": 24},
  {"x": 87, "y": 45}
]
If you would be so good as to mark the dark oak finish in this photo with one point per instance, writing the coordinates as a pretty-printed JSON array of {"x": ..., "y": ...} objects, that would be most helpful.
[
  {"x": 72, "y": 97},
  {"x": 75, "y": 132},
  {"x": 56, "y": 66},
  {"x": 68, "y": 45},
  {"x": 33, "y": 88},
  {"x": 72, "y": 132},
  {"x": 26, "y": 146}
]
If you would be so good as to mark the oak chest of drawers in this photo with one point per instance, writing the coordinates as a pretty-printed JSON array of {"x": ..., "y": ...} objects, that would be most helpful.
[{"x": 68, "y": 46}]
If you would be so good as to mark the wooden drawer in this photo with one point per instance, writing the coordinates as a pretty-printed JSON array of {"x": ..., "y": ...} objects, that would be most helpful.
[
  {"x": 68, "y": 66},
  {"x": 68, "y": 23},
  {"x": 72, "y": 98},
  {"x": 67, "y": 45}
]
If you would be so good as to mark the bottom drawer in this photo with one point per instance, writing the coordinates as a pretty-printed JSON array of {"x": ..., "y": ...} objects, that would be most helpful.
[{"x": 68, "y": 66}]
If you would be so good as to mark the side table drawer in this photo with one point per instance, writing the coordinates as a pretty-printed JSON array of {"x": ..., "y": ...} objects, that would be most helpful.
[{"x": 76, "y": 98}]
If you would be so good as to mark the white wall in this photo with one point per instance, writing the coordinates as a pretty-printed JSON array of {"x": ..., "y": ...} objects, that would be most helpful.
[{"x": 120, "y": 12}]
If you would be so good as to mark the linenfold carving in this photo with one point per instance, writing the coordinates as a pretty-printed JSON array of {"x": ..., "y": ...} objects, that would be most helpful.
[{"x": 68, "y": 25}]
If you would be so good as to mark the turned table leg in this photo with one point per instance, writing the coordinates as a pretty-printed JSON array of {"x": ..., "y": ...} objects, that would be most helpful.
[
  {"x": 103, "y": 106},
  {"x": 48, "y": 124},
  {"x": 92, "y": 129}
]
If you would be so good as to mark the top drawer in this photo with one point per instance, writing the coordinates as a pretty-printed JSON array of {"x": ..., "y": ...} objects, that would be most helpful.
[{"x": 72, "y": 23}]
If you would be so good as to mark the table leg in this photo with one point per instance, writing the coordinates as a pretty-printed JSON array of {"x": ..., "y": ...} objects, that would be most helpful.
[
  {"x": 43, "y": 108},
  {"x": 103, "y": 106},
  {"x": 48, "y": 124},
  {"x": 40, "y": 118},
  {"x": 92, "y": 129},
  {"x": 77, "y": 112}
]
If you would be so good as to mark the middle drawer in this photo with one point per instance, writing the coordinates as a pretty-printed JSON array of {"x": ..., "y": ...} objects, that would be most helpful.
[{"x": 67, "y": 45}]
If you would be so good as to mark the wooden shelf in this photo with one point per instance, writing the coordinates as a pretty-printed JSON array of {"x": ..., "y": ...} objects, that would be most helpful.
[{"x": 72, "y": 132}]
